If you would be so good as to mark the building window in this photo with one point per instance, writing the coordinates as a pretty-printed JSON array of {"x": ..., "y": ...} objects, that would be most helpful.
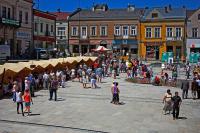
[
  {"x": 148, "y": 32},
  {"x": 198, "y": 16},
  {"x": 125, "y": 30},
  {"x": 169, "y": 32},
  {"x": 3, "y": 12},
  {"x": 178, "y": 32},
  {"x": 41, "y": 27},
  {"x": 61, "y": 31},
  {"x": 93, "y": 31},
  {"x": 74, "y": 31},
  {"x": 157, "y": 32},
  {"x": 26, "y": 17},
  {"x": 51, "y": 28},
  {"x": 9, "y": 13},
  {"x": 83, "y": 31},
  {"x": 20, "y": 16},
  {"x": 117, "y": 30},
  {"x": 194, "y": 32},
  {"x": 133, "y": 30},
  {"x": 154, "y": 15},
  {"x": 103, "y": 31},
  {"x": 36, "y": 27},
  {"x": 47, "y": 28}
]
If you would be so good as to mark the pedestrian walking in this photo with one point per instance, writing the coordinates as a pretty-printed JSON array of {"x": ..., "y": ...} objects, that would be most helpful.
[
  {"x": 194, "y": 87},
  {"x": 46, "y": 81},
  {"x": 185, "y": 88},
  {"x": 54, "y": 88},
  {"x": 93, "y": 80},
  {"x": 167, "y": 100},
  {"x": 176, "y": 105},
  {"x": 198, "y": 88},
  {"x": 84, "y": 80},
  {"x": 115, "y": 93},
  {"x": 15, "y": 88},
  {"x": 28, "y": 100},
  {"x": 19, "y": 101}
]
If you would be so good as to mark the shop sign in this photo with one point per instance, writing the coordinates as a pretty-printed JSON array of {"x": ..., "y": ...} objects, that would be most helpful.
[
  {"x": 153, "y": 44},
  {"x": 23, "y": 35},
  {"x": 10, "y": 22}
]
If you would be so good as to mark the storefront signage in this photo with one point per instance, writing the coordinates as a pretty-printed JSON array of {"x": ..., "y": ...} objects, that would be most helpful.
[
  {"x": 10, "y": 22},
  {"x": 23, "y": 35},
  {"x": 153, "y": 44}
]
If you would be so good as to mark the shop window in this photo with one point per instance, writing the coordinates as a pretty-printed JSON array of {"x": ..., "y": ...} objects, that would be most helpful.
[
  {"x": 76, "y": 49},
  {"x": 134, "y": 51},
  {"x": 152, "y": 52}
]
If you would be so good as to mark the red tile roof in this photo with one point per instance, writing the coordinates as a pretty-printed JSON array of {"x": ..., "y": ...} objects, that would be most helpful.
[{"x": 61, "y": 15}]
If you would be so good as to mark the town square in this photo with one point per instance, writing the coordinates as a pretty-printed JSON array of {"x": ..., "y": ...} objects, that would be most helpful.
[{"x": 99, "y": 66}]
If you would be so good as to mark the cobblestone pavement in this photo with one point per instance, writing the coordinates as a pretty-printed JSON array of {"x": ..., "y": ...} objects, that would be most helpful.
[{"x": 81, "y": 110}]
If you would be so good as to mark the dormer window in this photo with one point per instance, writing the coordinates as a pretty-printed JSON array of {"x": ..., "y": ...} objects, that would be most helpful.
[{"x": 154, "y": 15}]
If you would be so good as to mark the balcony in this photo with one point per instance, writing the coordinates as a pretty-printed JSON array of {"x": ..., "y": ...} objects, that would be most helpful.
[{"x": 174, "y": 38}]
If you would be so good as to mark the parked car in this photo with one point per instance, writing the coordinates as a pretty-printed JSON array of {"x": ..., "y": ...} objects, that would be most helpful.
[{"x": 41, "y": 53}]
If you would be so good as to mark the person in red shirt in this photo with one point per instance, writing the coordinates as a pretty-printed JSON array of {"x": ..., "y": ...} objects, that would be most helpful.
[
  {"x": 96, "y": 65},
  {"x": 27, "y": 100}
]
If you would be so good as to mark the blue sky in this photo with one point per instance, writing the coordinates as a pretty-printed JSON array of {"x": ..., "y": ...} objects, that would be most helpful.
[{"x": 71, "y": 5}]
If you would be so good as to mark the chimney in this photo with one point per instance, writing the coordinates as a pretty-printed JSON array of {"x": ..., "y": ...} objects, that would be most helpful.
[
  {"x": 131, "y": 7},
  {"x": 166, "y": 10}
]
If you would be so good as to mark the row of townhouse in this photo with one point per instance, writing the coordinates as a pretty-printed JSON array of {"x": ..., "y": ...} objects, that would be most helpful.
[
  {"x": 145, "y": 32},
  {"x": 24, "y": 28}
]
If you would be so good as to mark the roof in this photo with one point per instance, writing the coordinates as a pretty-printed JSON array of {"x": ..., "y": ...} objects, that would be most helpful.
[
  {"x": 43, "y": 14},
  {"x": 89, "y": 14},
  {"x": 190, "y": 13},
  {"x": 173, "y": 13},
  {"x": 61, "y": 16}
]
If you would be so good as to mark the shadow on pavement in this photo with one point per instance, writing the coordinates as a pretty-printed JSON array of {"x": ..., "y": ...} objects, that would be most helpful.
[{"x": 182, "y": 118}]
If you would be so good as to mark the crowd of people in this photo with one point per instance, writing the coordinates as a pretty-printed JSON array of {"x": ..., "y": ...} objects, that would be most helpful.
[{"x": 22, "y": 90}]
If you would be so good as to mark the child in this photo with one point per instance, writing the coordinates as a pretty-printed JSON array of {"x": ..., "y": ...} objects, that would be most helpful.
[
  {"x": 27, "y": 100},
  {"x": 115, "y": 92},
  {"x": 15, "y": 88},
  {"x": 19, "y": 101}
]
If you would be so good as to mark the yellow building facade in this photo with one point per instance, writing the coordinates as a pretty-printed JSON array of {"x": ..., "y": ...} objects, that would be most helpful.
[{"x": 159, "y": 34}]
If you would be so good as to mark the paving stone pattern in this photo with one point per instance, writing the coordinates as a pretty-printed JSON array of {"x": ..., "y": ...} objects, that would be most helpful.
[{"x": 89, "y": 110}]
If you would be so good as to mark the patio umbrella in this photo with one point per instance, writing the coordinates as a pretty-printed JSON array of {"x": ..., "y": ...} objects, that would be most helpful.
[{"x": 101, "y": 49}]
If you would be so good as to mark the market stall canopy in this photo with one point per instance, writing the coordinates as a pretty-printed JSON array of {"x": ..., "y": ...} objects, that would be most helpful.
[{"x": 101, "y": 49}]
